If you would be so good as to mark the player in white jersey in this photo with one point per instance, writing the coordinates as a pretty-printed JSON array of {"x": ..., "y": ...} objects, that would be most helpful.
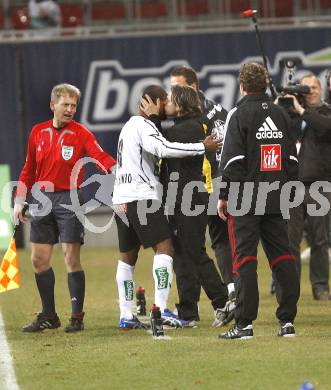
[{"x": 140, "y": 147}]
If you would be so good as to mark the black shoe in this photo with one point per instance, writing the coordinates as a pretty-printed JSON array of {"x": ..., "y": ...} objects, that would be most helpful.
[
  {"x": 238, "y": 333},
  {"x": 76, "y": 323},
  {"x": 286, "y": 330},
  {"x": 321, "y": 295},
  {"x": 42, "y": 322}
]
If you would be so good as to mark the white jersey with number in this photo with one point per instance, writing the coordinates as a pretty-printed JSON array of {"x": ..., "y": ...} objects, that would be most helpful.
[{"x": 140, "y": 147}]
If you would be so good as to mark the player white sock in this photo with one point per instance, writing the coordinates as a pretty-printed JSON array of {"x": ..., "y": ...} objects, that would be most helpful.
[
  {"x": 125, "y": 285},
  {"x": 162, "y": 274}
]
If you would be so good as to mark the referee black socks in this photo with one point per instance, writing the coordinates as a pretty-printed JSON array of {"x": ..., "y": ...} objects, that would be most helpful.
[
  {"x": 45, "y": 283},
  {"x": 76, "y": 284}
]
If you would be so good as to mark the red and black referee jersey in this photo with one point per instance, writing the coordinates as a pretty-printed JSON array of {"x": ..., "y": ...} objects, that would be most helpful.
[{"x": 52, "y": 154}]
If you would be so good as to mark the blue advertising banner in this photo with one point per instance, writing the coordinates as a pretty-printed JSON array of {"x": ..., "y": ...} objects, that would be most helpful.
[
  {"x": 112, "y": 72},
  {"x": 12, "y": 148}
]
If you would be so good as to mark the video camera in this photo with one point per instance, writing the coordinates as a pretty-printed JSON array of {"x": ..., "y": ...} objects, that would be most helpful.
[{"x": 291, "y": 88}]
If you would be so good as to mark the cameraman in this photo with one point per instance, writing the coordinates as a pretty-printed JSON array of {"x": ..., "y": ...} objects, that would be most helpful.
[{"x": 313, "y": 118}]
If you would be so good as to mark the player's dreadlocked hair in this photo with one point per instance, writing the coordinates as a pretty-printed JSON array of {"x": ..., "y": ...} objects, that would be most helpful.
[
  {"x": 253, "y": 78},
  {"x": 186, "y": 99}
]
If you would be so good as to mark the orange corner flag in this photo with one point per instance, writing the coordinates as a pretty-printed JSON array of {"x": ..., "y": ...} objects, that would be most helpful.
[{"x": 9, "y": 272}]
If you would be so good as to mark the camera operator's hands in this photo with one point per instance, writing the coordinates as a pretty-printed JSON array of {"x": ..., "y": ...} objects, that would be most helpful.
[{"x": 297, "y": 107}]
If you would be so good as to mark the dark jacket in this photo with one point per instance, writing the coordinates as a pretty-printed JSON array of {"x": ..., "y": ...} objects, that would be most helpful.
[
  {"x": 258, "y": 148},
  {"x": 214, "y": 116},
  {"x": 186, "y": 130},
  {"x": 315, "y": 138}
]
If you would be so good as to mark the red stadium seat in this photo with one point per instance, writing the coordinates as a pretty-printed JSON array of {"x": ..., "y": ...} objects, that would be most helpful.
[
  {"x": 108, "y": 11},
  {"x": 325, "y": 4},
  {"x": 233, "y": 8},
  {"x": 304, "y": 4},
  {"x": 312, "y": 5},
  {"x": 152, "y": 9},
  {"x": 20, "y": 18},
  {"x": 72, "y": 15},
  {"x": 237, "y": 7},
  {"x": 280, "y": 9},
  {"x": 193, "y": 7},
  {"x": 2, "y": 20},
  {"x": 283, "y": 8}
]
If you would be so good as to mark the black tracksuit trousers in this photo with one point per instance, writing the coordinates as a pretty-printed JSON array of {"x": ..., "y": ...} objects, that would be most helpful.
[
  {"x": 318, "y": 234},
  {"x": 245, "y": 233},
  {"x": 218, "y": 231},
  {"x": 192, "y": 265}
]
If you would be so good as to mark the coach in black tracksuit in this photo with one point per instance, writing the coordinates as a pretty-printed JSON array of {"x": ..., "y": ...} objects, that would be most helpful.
[
  {"x": 258, "y": 149},
  {"x": 192, "y": 265}
]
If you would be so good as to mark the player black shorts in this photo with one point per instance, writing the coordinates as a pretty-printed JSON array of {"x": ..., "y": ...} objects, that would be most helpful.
[
  {"x": 51, "y": 222},
  {"x": 148, "y": 233}
]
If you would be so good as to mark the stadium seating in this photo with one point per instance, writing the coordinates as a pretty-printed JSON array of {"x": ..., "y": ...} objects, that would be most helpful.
[
  {"x": 72, "y": 15},
  {"x": 151, "y": 9},
  {"x": 283, "y": 8},
  {"x": 232, "y": 9},
  {"x": 237, "y": 7},
  {"x": 279, "y": 8},
  {"x": 137, "y": 11},
  {"x": 316, "y": 4},
  {"x": 193, "y": 8},
  {"x": 108, "y": 11},
  {"x": 2, "y": 22},
  {"x": 325, "y": 4}
]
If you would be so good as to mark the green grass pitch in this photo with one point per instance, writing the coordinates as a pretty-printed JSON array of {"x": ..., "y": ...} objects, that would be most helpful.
[{"x": 103, "y": 358}]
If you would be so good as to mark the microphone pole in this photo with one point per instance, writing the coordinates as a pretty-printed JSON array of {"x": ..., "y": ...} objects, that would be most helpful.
[{"x": 250, "y": 13}]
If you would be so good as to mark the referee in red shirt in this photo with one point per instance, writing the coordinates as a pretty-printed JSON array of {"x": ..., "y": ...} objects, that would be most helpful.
[{"x": 53, "y": 149}]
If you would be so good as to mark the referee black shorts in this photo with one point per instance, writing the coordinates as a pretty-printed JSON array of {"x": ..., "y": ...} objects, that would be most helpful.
[
  {"x": 51, "y": 222},
  {"x": 154, "y": 230}
]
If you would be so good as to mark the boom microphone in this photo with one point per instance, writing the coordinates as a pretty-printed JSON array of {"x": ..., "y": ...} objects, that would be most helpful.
[{"x": 248, "y": 13}]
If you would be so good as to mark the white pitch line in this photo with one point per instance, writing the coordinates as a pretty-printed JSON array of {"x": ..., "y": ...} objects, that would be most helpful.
[{"x": 7, "y": 372}]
